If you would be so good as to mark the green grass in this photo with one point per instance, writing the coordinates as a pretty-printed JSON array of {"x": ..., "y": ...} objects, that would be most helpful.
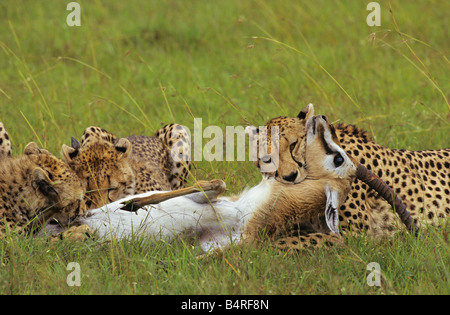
[
  {"x": 408, "y": 266},
  {"x": 134, "y": 66}
]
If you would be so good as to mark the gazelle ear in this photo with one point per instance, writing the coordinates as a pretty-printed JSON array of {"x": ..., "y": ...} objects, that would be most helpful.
[
  {"x": 331, "y": 209},
  {"x": 306, "y": 112}
]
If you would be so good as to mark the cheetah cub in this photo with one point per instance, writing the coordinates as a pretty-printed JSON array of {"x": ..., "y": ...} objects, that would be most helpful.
[
  {"x": 113, "y": 168},
  {"x": 35, "y": 188}
]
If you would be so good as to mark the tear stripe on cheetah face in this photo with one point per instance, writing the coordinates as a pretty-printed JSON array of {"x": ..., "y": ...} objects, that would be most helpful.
[{"x": 420, "y": 178}]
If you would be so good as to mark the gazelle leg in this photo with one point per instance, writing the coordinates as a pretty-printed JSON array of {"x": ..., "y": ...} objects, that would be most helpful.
[{"x": 217, "y": 186}]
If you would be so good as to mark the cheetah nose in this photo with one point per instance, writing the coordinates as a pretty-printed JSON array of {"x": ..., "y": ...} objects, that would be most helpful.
[{"x": 291, "y": 177}]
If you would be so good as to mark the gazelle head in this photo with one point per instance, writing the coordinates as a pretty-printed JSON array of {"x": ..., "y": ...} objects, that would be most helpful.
[
  {"x": 328, "y": 165},
  {"x": 327, "y": 160},
  {"x": 324, "y": 156}
]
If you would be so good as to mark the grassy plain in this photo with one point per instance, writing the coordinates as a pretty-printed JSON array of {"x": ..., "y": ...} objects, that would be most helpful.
[{"x": 133, "y": 66}]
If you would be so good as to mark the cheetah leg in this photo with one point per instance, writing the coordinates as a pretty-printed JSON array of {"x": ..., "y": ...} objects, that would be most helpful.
[
  {"x": 177, "y": 141},
  {"x": 211, "y": 188},
  {"x": 5, "y": 143},
  {"x": 313, "y": 240},
  {"x": 74, "y": 233}
]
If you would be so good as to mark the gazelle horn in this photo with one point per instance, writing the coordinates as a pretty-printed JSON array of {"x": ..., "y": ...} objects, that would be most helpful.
[{"x": 383, "y": 189}]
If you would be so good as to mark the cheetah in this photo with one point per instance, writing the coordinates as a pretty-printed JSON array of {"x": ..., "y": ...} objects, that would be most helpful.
[
  {"x": 420, "y": 178},
  {"x": 112, "y": 168},
  {"x": 36, "y": 188}
]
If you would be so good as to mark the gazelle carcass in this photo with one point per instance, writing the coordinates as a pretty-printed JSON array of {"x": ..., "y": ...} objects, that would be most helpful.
[{"x": 269, "y": 207}]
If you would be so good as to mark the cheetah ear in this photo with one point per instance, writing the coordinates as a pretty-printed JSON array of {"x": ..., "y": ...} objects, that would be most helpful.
[
  {"x": 31, "y": 148},
  {"x": 306, "y": 112},
  {"x": 123, "y": 146},
  {"x": 68, "y": 153},
  {"x": 41, "y": 182},
  {"x": 252, "y": 132}
]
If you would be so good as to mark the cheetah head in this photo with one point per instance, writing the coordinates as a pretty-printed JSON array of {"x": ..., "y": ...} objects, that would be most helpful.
[
  {"x": 280, "y": 147},
  {"x": 58, "y": 190},
  {"x": 103, "y": 166}
]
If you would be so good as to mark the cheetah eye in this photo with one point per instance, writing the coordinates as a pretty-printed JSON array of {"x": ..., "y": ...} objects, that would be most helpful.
[
  {"x": 292, "y": 146},
  {"x": 338, "y": 160}
]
